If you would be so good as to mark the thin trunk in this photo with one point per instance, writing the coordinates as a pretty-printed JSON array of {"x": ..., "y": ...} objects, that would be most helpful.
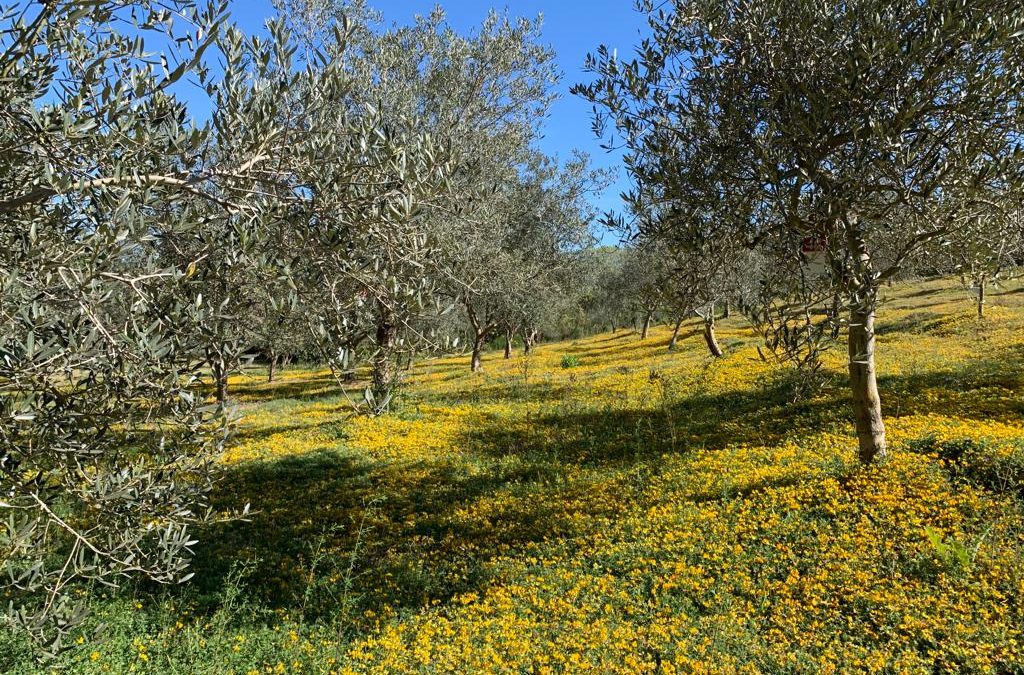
[
  {"x": 481, "y": 331},
  {"x": 981, "y": 297},
  {"x": 478, "y": 348},
  {"x": 508, "y": 344},
  {"x": 728, "y": 310},
  {"x": 647, "y": 325},
  {"x": 675, "y": 334},
  {"x": 867, "y": 405},
  {"x": 347, "y": 369},
  {"x": 273, "y": 366},
  {"x": 709, "y": 334},
  {"x": 834, "y": 314},
  {"x": 220, "y": 376}
]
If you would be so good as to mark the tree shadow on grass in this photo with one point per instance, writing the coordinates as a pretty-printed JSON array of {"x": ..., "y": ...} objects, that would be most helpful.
[
  {"x": 765, "y": 416},
  {"x": 634, "y": 347},
  {"x": 307, "y": 389},
  {"x": 417, "y": 534},
  {"x": 984, "y": 390},
  {"x": 410, "y": 535},
  {"x": 603, "y": 438},
  {"x": 923, "y": 293},
  {"x": 916, "y": 323},
  {"x": 396, "y": 535}
]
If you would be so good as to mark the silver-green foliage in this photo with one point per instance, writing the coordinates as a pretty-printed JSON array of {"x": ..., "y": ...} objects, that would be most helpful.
[
  {"x": 106, "y": 443},
  {"x": 877, "y": 125}
]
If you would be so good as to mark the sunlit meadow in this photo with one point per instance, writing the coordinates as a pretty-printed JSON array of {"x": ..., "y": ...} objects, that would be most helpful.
[{"x": 638, "y": 511}]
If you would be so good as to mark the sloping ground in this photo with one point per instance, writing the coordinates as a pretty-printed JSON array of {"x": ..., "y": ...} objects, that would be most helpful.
[{"x": 644, "y": 511}]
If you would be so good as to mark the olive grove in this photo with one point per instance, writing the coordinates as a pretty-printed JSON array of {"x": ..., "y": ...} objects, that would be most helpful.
[
  {"x": 876, "y": 126},
  {"x": 351, "y": 186}
]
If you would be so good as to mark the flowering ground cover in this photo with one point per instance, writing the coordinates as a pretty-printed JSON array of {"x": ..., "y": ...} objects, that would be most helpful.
[{"x": 638, "y": 511}]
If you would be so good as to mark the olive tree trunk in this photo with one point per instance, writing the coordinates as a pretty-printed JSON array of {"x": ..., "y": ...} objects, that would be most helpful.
[
  {"x": 981, "y": 297},
  {"x": 867, "y": 405},
  {"x": 385, "y": 369},
  {"x": 675, "y": 334},
  {"x": 647, "y": 325},
  {"x": 272, "y": 367},
  {"x": 509, "y": 335},
  {"x": 218, "y": 367},
  {"x": 220, "y": 377},
  {"x": 833, "y": 314},
  {"x": 529, "y": 339},
  {"x": 709, "y": 334},
  {"x": 478, "y": 347}
]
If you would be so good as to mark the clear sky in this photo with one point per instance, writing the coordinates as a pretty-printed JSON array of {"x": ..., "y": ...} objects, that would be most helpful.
[{"x": 572, "y": 27}]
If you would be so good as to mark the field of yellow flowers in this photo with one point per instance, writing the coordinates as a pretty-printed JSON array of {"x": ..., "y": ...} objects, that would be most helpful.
[{"x": 639, "y": 511}]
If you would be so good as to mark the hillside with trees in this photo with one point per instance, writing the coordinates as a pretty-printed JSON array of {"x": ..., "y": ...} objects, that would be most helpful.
[{"x": 316, "y": 357}]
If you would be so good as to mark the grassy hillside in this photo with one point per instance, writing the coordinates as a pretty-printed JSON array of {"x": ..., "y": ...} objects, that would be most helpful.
[{"x": 642, "y": 511}]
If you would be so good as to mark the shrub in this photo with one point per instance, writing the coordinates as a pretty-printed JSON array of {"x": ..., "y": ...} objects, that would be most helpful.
[
  {"x": 570, "y": 361},
  {"x": 993, "y": 466}
]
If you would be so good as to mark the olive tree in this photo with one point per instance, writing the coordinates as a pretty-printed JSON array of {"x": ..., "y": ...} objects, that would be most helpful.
[
  {"x": 646, "y": 276},
  {"x": 106, "y": 444},
  {"x": 516, "y": 264},
  {"x": 984, "y": 250},
  {"x": 550, "y": 238},
  {"x": 480, "y": 97},
  {"x": 459, "y": 110},
  {"x": 603, "y": 300},
  {"x": 858, "y": 123}
]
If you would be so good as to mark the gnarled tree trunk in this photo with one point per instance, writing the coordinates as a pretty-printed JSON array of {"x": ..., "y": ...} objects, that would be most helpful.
[
  {"x": 647, "y": 325},
  {"x": 709, "y": 334},
  {"x": 509, "y": 335},
  {"x": 478, "y": 347},
  {"x": 529, "y": 339},
  {"x": 867, "y": 405},
  {"x": 220, "y": 377},
  {"x": 272, "y": 367},
  {"x": 482, "y": 330},
  {"x": 385, "y": 369},
  {"x": 675, "y": 334}
]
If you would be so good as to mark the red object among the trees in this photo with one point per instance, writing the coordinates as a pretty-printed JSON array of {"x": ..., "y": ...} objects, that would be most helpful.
[{"x": 815, "y": 244}]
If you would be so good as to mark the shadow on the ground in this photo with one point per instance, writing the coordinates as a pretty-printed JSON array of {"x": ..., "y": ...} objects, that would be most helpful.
[
  {"x": 311, "y": 389},
  {"x": 406, "y": 535},
  {"x": 395, "y": 535}
]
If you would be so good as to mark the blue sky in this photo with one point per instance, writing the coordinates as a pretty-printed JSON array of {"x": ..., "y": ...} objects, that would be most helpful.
[{"x": 572, "y": 27}]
